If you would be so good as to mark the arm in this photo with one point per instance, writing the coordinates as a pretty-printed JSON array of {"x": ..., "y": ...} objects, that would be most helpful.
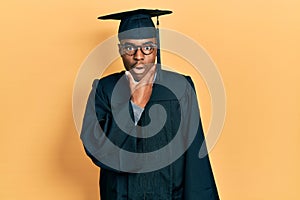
[
  {"x": 99, "y": 129},
  {"x": 199, "y": 181}
]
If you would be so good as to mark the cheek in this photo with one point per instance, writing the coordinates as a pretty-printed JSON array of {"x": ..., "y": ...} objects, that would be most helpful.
[
  {"x": 151, "y": 59},
  {"x": 127, "y": 62},
  {"x": 154, "y": 55}
]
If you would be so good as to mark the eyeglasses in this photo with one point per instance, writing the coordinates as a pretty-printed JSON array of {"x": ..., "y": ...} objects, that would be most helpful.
[{"x": 131, "y": 49}]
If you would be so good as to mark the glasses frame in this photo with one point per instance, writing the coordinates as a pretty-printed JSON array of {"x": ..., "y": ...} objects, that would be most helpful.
[{"x": 136, "y": 47}]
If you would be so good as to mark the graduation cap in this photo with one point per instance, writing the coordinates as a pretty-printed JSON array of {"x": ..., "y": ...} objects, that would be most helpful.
[{"x": 137, "y": 24}]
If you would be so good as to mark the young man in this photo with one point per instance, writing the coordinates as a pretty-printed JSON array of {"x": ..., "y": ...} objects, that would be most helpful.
[{"x": 142, "y": 125}]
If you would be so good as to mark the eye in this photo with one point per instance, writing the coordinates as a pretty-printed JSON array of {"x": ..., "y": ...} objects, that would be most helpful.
[
  {"x": 129, "y": 48},
  {"x": 147, "y": 47}
]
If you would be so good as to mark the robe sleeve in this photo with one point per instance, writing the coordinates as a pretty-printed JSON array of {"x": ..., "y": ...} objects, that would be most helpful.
[
  {"x": 199, "y": 182},
  {"x": 98, "y": 123}
]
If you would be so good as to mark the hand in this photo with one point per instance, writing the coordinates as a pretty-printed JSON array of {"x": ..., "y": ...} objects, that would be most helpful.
[{"x": 141, "y": 91}]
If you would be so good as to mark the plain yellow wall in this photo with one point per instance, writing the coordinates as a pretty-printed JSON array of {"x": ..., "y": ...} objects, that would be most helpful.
[{"x": 255, "y": 44}]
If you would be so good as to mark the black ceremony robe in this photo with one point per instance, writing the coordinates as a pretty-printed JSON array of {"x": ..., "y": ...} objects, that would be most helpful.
[{"x": 187, "y": 178}]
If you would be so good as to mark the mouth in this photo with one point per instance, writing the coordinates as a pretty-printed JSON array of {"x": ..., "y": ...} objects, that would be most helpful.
[{"x": 138, "y": 68}]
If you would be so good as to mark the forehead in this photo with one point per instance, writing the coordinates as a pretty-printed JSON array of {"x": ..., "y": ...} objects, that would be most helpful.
[{"x": 138, "y": 41}]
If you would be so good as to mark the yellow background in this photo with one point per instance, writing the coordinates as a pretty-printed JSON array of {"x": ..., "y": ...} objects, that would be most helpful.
[{"x": 255, "y": 44}]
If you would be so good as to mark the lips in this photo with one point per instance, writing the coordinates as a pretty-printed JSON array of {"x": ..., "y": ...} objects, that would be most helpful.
[{"x": 138, "y": 68}]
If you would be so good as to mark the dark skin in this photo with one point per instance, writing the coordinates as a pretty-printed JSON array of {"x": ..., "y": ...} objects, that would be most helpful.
[{"x": 140, "y": 71}]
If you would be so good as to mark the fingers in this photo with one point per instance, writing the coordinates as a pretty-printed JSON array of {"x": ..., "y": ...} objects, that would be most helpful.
[
  {"x": 131, "y": 80},
  {"x": 141, "y": 90},
  {"x": 148, "y": 78}
]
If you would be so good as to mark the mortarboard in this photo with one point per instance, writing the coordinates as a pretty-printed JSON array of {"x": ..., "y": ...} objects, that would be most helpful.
[{"x": 137, "y": 24}]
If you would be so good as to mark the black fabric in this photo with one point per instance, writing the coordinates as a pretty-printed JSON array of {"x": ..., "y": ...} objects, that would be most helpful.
[
  {"x": 188, "y": 178},
  {"x": 136, "y": 24},
  {"x": 126, "y": 14},
  {"x": 135, "y": 21}
]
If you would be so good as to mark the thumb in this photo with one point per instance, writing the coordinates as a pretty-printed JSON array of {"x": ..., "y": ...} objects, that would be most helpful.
[
  {"x": 148, "y": 78},
  {"x": 130, "y": 78}
]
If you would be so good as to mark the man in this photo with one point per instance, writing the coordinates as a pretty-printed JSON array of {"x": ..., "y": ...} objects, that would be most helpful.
[{"x": 142, "y": 126}]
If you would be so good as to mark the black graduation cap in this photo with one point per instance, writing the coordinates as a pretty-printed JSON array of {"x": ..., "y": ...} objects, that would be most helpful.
[{"x": 137, "y": 24}]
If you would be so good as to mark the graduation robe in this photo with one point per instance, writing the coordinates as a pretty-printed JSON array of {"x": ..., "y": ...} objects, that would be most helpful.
[{"x": 187, "y": 178}]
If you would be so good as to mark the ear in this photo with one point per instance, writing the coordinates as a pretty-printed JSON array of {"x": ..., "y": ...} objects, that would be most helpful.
[{"x": 120, "y": 52}]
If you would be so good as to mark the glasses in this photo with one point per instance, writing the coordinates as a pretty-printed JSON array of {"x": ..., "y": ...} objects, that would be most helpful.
[{"x": 131, "y": 49}]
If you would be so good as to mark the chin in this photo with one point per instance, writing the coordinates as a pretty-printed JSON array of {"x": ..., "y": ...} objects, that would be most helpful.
[{"x": 138, "y": 78}]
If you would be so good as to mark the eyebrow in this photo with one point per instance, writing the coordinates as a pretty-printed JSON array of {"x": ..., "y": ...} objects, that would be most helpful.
[{"x": 129, "y": 43}]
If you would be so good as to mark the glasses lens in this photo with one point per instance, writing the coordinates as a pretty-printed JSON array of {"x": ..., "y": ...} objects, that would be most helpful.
[
  {"x": 131, "y": 49},
  {"x": 148, "y": 48}
]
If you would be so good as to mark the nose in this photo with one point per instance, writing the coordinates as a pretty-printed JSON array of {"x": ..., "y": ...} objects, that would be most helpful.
[{"x": 139, "y": 54}]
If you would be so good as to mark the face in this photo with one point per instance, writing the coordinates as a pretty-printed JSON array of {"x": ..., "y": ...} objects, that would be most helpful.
[{"x": 137, "y": 62}]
